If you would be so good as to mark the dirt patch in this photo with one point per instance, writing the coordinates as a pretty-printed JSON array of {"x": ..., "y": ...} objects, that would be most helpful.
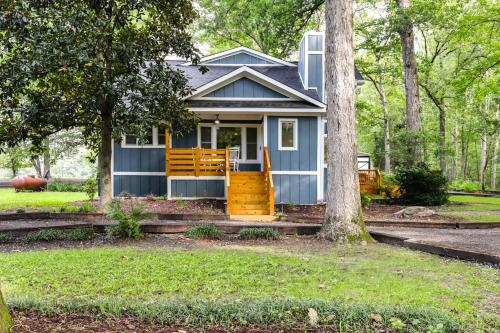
[
  {"x": 306, "y": 243},
  {"x": 162, "y": 206},
  {"x": 31, "y": 322}
]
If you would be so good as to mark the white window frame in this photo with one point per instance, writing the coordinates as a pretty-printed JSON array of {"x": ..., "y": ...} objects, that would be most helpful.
[
  {"x": 295, "y": 122},
  {"x": 243, "y": 152},
  {"x": 154, "y": 144},
  {"x": 325, "y": 138}
]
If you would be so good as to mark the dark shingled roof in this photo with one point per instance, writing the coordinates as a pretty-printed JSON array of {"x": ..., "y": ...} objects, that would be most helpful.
[
  {"x": 286, "y": 75},
  {"x": 252, "y": 104}
]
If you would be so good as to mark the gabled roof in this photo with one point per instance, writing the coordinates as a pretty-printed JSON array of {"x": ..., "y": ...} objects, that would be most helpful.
[
  {"x": 265, "y": 60},
  {"x": 266, "y": 80}
]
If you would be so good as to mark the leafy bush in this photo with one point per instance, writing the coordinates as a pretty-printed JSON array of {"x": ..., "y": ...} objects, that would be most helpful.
[
  {"x": 90, "y": 187},
  {"x": 389, "y": 178},
  {"x": 4, "y": 238},
  {"x": 128, "y": 223},
  {"x": 365, "y": 199},
  {"x": 58, "y": 186},
  {"x": 205, "y": 231},
  {"x": 48, "y": 235},
  {"x": 421, "y": 186},
  {"x": 86, "y": 207},
  {"x": 20, "y": 210},
  {"x": 81, "y": 234},
  {"x": 45, "y": 235},
  {"x": 259, "y": 233},
  {"x": 465, "y": 186},
  {"x": 68, "y": 209}
]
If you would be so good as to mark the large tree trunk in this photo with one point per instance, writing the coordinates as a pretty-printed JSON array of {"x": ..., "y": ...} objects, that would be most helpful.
[
  {"x": 454, "y": 162},
  {"x": 104, "y": 158},
  {"x": 35, "y": 161},
  {"x": 387, "y": 144},
  {"x": 5, "y": 320},
  {"x": 442, "y": 140},
  {"x": 343, "y": 217},
  {"x": 464, "y": 150},
  {"x": 494, "y": 156},
  {"x": 484, "y": 147},
  {"x": 411, "y": 88},
  {"x": 46, "y": 160}
]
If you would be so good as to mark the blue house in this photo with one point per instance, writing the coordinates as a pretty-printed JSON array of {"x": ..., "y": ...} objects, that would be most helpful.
[{"x": 272, "y": 110}]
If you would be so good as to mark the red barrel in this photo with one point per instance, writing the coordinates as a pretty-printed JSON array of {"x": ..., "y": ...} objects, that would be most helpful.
[{"x": 29, "y": 183}]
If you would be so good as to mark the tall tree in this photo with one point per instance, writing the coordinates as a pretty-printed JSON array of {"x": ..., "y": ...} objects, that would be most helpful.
[
  {"x": 411, "y": 81},
  {"x": 343, "y": 217},
  {"x": 494, "y": 155},
  {"x": 95, "y": 65},
  {"x": 273, "y": 27}
]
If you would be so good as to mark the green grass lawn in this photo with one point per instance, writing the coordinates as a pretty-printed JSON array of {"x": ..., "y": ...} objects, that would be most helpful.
[
  {"x": 481, "y": 209},
  {"x": 10, "y": 200},
  {"x": 374, "y": 274}
]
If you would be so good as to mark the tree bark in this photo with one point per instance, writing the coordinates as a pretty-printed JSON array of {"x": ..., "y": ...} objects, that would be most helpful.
[
  {"x": 484, "y": 147},
  {"x": 104, "y": 158},
  {"x": 387, "y": 143},
  {"x": 454, "y": 162},
  {"x": 5, "y": 320},
  {"x": 35, "y": 161},
  {"x": 442, "y": 140},
  {"x": 494, "y": 156},
  {"x": 46, "y": 160},
  {"x": 343, "y": 217},
  {"x": 411, "y": 87}
]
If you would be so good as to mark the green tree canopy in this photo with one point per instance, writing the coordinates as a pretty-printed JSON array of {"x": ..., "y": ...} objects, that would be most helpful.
[{"x": 98, "y": 65}]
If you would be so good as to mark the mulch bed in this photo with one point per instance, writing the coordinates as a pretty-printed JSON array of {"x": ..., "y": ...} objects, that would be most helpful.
[
  {"x": 33, "y": 322},
  {"x": 178, "y": 206}
]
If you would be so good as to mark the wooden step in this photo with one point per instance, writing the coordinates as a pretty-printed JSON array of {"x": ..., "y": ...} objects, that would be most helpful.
[
  {"x": 249, "y": 211},
  {"x": 248, "y": 206},
  {"x": 246, "y": 196}
]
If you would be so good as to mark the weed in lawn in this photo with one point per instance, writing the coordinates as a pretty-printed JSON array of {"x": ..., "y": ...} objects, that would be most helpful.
[
  {"x": 205, "y": 231},
  {"x": 46, "y": 235},
  {"x": 128, "y": 223},
  {"x": 4, "y": 238},
  {"x": 259, "y": 233},
  {"x": 181, "y": 204},
  {"x": 20, "y": 210},
  {"x": 86, "y": 207},
  {"x": 68, "y": 209}
]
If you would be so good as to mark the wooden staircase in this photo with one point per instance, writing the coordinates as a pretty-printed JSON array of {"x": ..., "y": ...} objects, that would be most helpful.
[{"x": 250, "y": 192}]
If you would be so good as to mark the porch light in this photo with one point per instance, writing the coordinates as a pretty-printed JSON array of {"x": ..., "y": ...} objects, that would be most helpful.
[{"x": 217, "y": 121}]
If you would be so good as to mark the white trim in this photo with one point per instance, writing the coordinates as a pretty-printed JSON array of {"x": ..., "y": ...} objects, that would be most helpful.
[
  {"x": 139, "y": 173},
  {"x": 281, "y": 172},
  {"x": 264, "y": 120},
  {"x": 112, "y": 168},
  {"x": 244, "y": 49},
  {"x": 267, "y": 110},
  {"x": 260, "y": 78},
  {"x": 319, "y": 161},
  {"x": 295, "y": 122}
]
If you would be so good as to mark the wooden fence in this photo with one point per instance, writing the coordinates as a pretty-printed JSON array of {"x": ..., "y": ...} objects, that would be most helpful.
[
  {"x": 370, "y": 180},
  {"x": 195, "y": 162}
]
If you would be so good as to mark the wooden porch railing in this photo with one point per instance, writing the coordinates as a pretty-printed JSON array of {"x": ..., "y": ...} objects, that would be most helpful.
[
  {"x": 195, "y": 162},
  {"x": 228, "y": 183},
  {"x": 269, "y": 180},
  {"x": 370, "y": 180}
]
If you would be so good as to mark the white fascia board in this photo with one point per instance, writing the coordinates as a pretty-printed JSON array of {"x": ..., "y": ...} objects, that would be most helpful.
[
  {"x": 230, "y": 52},
  {"x": 260, "y": 78},
  {"x": 268, "y": 111}
]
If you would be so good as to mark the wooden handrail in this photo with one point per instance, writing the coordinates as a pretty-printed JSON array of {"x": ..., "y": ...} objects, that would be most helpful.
[
  {"x": 228, "y": 182},
  {"x": 269, "y": 179},
  {"x": 370, "y": 180},
  {"x": 195, "y": 162}
]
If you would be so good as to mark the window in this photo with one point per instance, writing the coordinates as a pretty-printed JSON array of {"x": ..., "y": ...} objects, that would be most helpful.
[
  {"x": 228, "y": 137},
  {"x": 287, "y": 139},
  {"x": 161, "y": 135},
  {"x": 251, "y": 143},
  {"x": 206, "y": 137},
  {"x": 156, "y": 138}
]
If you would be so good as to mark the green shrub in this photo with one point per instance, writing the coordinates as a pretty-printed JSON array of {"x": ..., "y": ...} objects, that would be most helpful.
[
  {"x": 128, "y": 223},
  {"x": 80, "y": 234},
  {"x": 4, "y": 238},
  {"x": 365, "y": 199},
  {"x": 20, "y": 210},
  {"x": 421, "y": 186},
  {"x": 58, "y": 186},
  {"x": 45, "y": 235},
  {"x": 68, "y": 209},
  {"x": 259, "y": 233},
  {"x": 90, "y": 187},
  {"x": 389, "y": 179},
  {"x": 465, "y": 186},
  {"x": 205, "y": 231}
]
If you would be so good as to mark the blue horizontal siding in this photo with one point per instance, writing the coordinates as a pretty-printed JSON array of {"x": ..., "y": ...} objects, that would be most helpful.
[
  {"x": 245, "y": 88},
  {"x": 140, "y": 186},
  {"x": 295, "y": 189},
  {"x": 197, "y": 188},
  {"x": 303, "y": 159},
  {"x": 138, "y": 159},
  {"x": 188, "y": 140}
]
